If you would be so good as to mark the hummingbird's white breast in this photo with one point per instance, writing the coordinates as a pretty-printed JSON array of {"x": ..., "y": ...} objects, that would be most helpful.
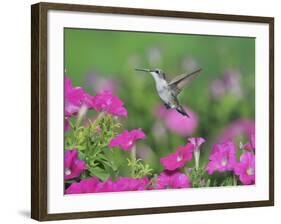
[{"x": 163, "y": 90}]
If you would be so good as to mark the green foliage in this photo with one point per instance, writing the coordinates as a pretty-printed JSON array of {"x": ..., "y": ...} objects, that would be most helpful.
[
  {"x": 139, "y": 168},
  {"x": 92, "y": 141}
]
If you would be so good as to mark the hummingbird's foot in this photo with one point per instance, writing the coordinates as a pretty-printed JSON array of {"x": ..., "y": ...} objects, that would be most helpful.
[
  {"x": 182, "y": 111},
  {"x": 167, "y": 106}
]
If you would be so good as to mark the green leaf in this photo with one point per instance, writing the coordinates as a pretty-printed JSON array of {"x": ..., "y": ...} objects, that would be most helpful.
[{"x": 99, "y": 172}]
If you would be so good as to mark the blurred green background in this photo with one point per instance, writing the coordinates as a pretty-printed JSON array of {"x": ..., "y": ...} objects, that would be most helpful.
[{"x": 222, "y": 97}]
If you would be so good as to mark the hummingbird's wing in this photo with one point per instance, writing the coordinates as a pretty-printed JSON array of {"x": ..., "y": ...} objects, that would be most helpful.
[{"x": 179, "y": 82}]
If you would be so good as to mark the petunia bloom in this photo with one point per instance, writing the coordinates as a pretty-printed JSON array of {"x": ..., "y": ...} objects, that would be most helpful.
[
  {"x": 245, "y": 169},
  {"x": 236, "y": 129},
  {"x": 126, "y": 140},
  {"x": 131, "y": 184},
  {"x": 222, "y": 158},
  {"x": 252, "y": 144},
  {"x": 107, "y": 102},
  {"x": 178, "y": 158},
  {"x": 197, "y": 142},
  {"x": 175, "y": 122},
  {"x": 73, "y": 167},
  {"x": 172, "y": 179},
  {"x": 94, "y": 185},
  {"x": 84, "y": 186},
  {"x": 74, "y": 98}
]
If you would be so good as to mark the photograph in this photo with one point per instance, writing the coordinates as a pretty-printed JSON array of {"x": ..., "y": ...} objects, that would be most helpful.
[{"x": 152, "y": 111}]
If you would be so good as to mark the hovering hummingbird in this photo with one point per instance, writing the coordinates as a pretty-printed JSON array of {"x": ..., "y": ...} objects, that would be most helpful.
[{"x": 169, "y": 90}]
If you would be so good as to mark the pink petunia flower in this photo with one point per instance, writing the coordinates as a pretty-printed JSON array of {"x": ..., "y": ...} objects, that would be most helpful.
[
  {"x": 179, "y": 158},
  {"x": 74, "y": 98},
  {"x": 73, "y": 167},
  {"x": 252, "y": 144},
  {"x": 237, "y": 128},
  {"x": 172, "y": 179},
  {"x": 84, "y": 186},
  {"x": 222, "y": 158},
  {"x": 245, "y": 169},
  {"x": 93, "y": 185},
  {"x": 126, "y": 139},
  {"x": 175, "y": 122},
  {"x": 197, "y": 142},
  {"x": 109, "y": 103},
  {"x": 131, "y": 184}
]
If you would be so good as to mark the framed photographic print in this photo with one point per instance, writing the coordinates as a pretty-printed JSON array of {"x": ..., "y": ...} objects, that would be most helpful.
[{"x": 138, "y": 111}]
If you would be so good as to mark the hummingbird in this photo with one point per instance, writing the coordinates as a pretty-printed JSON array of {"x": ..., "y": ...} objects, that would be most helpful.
[{"x": 168, "y": 91}]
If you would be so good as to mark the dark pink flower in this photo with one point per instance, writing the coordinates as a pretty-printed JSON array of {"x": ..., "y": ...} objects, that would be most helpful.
[
  {"x": 222, "y": 158},
  {"x": 131, "y": 184},
  {"x": 179, "y": 158},
  {"x": 172, "y": 179},
  {"x": 74, "y": 98},
  {"x": 238, "y": 128},
  {"x": 126, "y": 139},
  {"x": 245, "y": 169},
  {"x": 73, "y": 167},
  {"x": 175, "y": 122},
  {"x": 84, "y": 186},
  {"x": 93, "y": 185},
  {"x": 109, "y": 103},
  {"x": 252, "y": 144}
]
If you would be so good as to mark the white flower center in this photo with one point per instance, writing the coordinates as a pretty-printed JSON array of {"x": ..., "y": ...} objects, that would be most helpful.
[
  {"x": 224, "y": 162},
  {"x": 179, "y": 158},
  {"x": 250, "y": 171},
  {"x": 130, "y": 142},
  {"x": 67, "y": 172}
]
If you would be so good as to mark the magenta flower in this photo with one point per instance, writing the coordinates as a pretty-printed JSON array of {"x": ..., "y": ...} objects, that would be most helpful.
[
  {"x": 131, "y": 184},
  {"x": 126, "y": 140},
  {"x": 179, "y": 158},
  {"x": 197, "y": 142},
  {"x": 238, "y": 128},
  {"x": 252, "y": 144},
  {"x": 172, "y": 179},
  {"x": 93, "y": 185},
  {"x": 109, "y": 103},
  {"x": 74, "y": 98},
  {"x": 222, "y": 158},
  {"x": 89, "y": 185},
  {"x": 175, "y": 122},
  {"x": 73, "y": 167},
  {"x": 245, "y": 169}
]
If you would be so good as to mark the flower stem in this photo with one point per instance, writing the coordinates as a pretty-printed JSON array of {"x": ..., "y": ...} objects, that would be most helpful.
[
  {"x": 234, "y": 180},
  {"x": 133, "y": 158},
  {"x": 197, "y": 158}
]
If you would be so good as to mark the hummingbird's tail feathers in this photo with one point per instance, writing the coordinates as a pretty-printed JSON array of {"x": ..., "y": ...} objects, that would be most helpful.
[{"x": 182, "y": 111}]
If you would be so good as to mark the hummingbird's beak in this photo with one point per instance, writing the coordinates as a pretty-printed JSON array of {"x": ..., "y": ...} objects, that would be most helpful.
[{"x": 143, "y": 70}]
